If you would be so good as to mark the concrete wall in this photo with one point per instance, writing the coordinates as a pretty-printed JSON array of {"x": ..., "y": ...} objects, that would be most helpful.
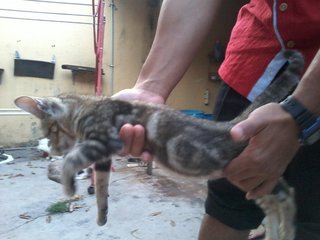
[{"x": 72, "y": 43}]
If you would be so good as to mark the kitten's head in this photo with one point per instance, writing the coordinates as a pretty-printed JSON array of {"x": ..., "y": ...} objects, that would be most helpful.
[{"x": 54, "y": 115}]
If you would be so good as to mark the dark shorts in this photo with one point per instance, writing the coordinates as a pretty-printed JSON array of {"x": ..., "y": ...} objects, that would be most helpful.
[{"x": 228, "y": 204}]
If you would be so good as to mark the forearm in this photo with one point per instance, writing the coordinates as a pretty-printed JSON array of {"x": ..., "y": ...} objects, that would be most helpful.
[
  {"x": 308, "y": 90},
  {"x": 182, "y": 28}
]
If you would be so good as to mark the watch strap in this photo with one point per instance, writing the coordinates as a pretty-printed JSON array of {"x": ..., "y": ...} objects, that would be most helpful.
[{"x": 302, "y": 116}]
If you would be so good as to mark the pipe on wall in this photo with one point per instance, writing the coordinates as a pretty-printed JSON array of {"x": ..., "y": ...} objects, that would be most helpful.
[
  {"x": 12, "y": 112},
  {"x": 59, "y": 2},
  {"x": 45, "y": 12},
  {"x": 98, "y": 43},
  {"x": 45, "y": 16},
  {"x": 45, "y": 20},
  {"x": 111, "y": 65}
]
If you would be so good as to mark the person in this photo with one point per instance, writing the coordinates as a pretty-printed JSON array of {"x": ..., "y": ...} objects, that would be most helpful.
[{"x": 262, "y": 30}]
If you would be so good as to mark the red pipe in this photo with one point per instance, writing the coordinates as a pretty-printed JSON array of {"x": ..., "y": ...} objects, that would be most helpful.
[{"x": 99, "y": 40}]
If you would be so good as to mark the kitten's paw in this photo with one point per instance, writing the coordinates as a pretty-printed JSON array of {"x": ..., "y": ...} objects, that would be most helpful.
[
  {"x": 69, "y": 169},
  {"x": 55, "y": 171},
  {"x": 69, "y": 186},
  {"x": 102, "y": 216},
  {"x": 68, "y": 181},
  {"x": 102, "y": 221}
]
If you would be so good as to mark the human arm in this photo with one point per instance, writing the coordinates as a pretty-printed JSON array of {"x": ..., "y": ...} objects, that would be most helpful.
[
  {"x": 182, "y": 29},
  {"x": 273, "y": 138},
  {"x": 310, "y": 84}
]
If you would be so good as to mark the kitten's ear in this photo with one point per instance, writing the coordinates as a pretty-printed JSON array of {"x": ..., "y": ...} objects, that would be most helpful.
[
  {"x": 40, "y": 107},
  {"x": 30, "y": 105}
]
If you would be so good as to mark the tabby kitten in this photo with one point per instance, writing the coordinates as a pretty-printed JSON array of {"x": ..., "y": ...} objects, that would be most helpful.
[{"x": 86, "y": 130}]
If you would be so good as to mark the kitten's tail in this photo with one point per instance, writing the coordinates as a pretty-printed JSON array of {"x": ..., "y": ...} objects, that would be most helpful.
[
  {"x": 296, "y": 61},
  {"x": 281, "y": 86},
  {"x": 286, "y": 81}
]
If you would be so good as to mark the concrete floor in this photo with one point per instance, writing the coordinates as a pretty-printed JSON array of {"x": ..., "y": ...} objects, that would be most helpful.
[{"x": 158, "y": 207}]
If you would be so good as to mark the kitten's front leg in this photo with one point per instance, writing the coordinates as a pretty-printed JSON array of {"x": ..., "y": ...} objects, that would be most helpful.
[
  {"x": 80, "y": 157},
  {"x": 102, "y": 176},
  {"x": 69, "y": 168}
]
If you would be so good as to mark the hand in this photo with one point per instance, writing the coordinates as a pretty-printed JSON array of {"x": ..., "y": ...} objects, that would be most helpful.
[
  {"x": 139, "y": 95},
  {"x": 133, "y": 137},
  {"x": 273, "y": 142}
]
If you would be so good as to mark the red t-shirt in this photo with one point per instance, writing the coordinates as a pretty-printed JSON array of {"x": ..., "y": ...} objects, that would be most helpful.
[{"x": 253, "y": 42}]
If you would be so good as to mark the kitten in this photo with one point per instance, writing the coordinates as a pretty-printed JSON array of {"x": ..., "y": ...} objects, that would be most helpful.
[{"x": 86, "y": 129}]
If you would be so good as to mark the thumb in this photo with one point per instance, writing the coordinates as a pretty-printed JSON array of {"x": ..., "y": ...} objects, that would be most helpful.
[{"x": 246, "y": 129}]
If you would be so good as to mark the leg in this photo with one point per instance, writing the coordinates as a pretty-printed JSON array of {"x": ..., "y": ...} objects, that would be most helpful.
[
  {"x": 225, "y": 202},
  {"x": 228, "y": 214},
  {"x": 72, "y": 163},
  {"x": 92, "y": 180},
  {"x": 212, "y": 229},
  {"x": 269, "y": 204},
  {"x": 279, "y": 208},
  {"x": 82, "y": 156},
  {"x": 55, "y": 171},
  {"x": 102, "y": 174}
]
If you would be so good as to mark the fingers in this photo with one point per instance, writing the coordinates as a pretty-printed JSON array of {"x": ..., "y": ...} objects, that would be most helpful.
[
  {"x": 246, "y": 179},
  {"x": 133, "y": 138},
  {"x": 249, "y": 183},
  {"x": 262, "y": 189},
  {"x": 139, "y": 141},
  {"x": 248, "y": 128},
  {"x": 254, "y": 185},
  {"x": 251, "y": 175},
  {"x": 126, "y": 134},
  {"x": 236, "y": 169}
]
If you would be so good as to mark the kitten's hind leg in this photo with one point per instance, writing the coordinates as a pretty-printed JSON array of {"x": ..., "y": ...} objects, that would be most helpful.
[
  {"x": 268, "y": 204},
  {"x": 279, "y": 208},
  {"x": 102, "y": 175},
  {"x": 287, "y": 211},
  {"x": 55, "y": 171}
]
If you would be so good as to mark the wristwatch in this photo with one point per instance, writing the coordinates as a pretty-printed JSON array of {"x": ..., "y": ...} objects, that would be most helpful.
[{"x": 308, "y": 122}]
